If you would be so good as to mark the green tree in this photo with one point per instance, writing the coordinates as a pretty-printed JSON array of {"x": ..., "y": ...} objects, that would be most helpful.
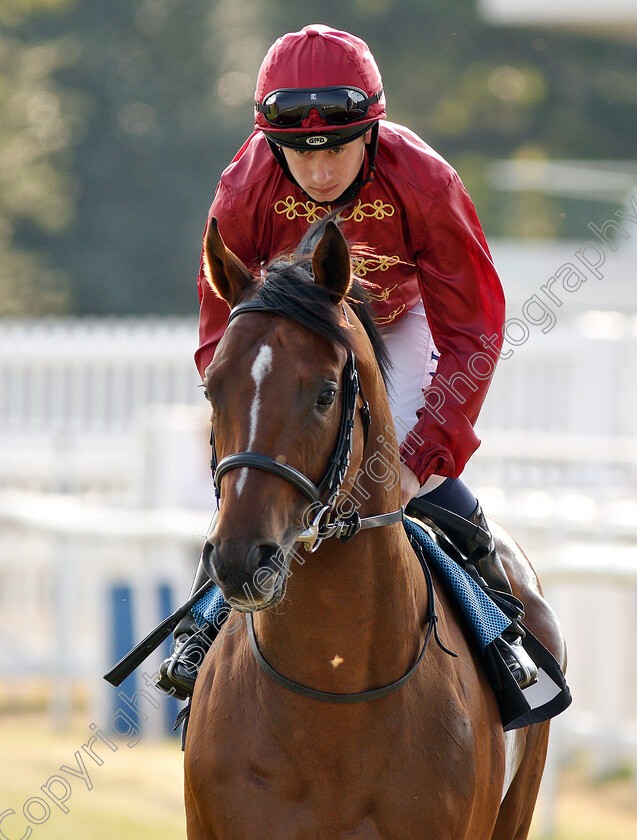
[
  {"x": 166, "y": 115},
  {"x": 39, "y": 124}
]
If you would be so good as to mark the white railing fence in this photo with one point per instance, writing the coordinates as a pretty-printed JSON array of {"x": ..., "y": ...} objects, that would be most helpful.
[
  {"x": 73, "y": 391},
  {"x": 562, "y": 409}
]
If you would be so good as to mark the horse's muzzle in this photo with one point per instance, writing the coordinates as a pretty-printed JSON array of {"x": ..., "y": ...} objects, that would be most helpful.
[{"x": 251, "y": 577}]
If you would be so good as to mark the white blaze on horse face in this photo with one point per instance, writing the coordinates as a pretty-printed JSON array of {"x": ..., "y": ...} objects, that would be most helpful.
[{"x": 261, "y": 366}]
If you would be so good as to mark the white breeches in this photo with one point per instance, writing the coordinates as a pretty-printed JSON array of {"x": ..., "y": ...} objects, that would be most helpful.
[{"x": 414, "y": 360}]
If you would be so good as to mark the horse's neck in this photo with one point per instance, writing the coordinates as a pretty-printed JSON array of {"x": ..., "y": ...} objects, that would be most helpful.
[{"x": 352, "y": 614}]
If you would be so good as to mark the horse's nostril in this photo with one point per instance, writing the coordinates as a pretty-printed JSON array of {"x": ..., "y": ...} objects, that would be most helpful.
[
  {"x": 207, "y": 558},
  {"x": 262, "y": 555},
  {"x": 247, "y": 578}
]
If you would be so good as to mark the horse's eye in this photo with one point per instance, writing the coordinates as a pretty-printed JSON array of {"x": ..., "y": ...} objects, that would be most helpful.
[{"x": 326, "y": 397}]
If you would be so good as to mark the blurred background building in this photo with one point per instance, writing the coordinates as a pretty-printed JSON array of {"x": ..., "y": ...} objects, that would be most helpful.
[{"x": 116, "y": 120}]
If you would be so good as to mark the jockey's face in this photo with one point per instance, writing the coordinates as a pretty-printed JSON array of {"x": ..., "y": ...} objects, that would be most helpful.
[{"x": 324, "y": 175}]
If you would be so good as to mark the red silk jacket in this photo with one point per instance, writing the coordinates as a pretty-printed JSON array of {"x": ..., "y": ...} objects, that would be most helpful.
[{"x": 427, "y": 243}]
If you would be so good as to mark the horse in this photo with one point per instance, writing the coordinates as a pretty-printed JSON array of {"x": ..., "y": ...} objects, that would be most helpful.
[{"x": 321, "y": 713}]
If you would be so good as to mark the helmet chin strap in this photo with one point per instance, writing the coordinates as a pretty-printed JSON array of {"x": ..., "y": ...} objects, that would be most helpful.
[{"x": 354, "y": 188}]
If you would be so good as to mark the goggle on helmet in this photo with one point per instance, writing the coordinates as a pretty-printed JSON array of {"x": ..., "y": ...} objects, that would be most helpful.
[{"x": 318, "y": 88}]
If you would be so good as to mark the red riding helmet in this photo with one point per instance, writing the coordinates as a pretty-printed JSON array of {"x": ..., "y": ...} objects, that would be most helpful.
[{"x": 318, "y": 88}]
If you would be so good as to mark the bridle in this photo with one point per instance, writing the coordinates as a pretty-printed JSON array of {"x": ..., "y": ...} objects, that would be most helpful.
[
  {"x": 325, "y": 524},
  {"x": 324, "y": 495}
]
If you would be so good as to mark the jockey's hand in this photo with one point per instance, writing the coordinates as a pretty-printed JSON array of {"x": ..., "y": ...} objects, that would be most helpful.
[{"x": 408, "y": 483}]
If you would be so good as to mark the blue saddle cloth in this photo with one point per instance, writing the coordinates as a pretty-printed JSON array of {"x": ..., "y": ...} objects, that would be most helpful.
[
  {"x": 209, "y": 606},
  {"x": 485, "y": 618}
]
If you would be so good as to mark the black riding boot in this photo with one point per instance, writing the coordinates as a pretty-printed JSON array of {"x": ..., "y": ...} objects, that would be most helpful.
[
  {"x": 480, "y": 550},
  {"x": 493, "y": 573},
  {"x": 178, "y": 673}
]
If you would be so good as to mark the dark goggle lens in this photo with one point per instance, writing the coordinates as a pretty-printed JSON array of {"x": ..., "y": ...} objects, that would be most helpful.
[
  {"x": 283, "y": 114},
  {"x": 339, "y": 115},
  {"x": 337, "y": 106}
]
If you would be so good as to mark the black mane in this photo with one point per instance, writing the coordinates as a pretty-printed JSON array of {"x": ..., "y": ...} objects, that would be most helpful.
[{"x": 289, "y": 289}]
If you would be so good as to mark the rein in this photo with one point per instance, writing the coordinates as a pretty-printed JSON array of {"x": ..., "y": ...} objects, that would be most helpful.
[{"x": 431, "y": 620}]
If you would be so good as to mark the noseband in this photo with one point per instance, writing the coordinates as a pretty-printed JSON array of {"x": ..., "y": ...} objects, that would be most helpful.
[{"x": 324, "y": 495}]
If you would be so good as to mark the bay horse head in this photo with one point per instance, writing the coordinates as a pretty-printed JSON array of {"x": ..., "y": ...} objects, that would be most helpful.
[{"x": 288, "y": 414}]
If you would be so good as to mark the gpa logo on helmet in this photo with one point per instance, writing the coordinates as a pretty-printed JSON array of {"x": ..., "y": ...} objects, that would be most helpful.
[{"x": 317, "y": 140}]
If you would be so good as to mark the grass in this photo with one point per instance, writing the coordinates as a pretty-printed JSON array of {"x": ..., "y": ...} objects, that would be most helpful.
[
  {"x": 137, "y": 792},
  {"x": 593, "y": 810}
]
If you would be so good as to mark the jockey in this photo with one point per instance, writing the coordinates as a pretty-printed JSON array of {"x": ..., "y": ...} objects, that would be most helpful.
[{"x": 321, "y": 143}]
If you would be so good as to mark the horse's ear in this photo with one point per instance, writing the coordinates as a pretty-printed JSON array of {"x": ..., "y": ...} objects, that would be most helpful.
[
  {"x": 227, "y": 275},
  {"x": 331, "y": 262}
]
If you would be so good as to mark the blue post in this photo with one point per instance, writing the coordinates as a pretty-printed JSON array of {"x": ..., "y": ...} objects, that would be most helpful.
[
  {"x": 122, "y": 640},
  {"x": 172, "y": 706}
]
